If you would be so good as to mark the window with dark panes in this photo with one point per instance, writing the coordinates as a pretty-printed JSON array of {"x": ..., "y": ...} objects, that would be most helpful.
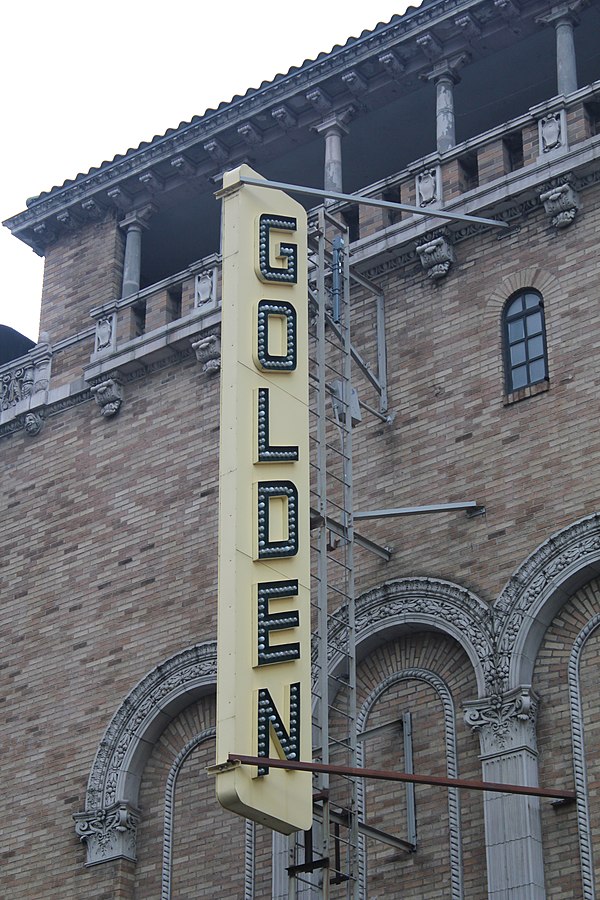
[{"x": 524, "y": 341}]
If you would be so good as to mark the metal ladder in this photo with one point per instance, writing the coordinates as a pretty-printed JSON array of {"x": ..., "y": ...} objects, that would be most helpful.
[{"x": 325, "y": 861}]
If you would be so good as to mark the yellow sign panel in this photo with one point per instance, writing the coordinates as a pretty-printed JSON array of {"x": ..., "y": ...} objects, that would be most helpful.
[{"x": 263, "y": 679}]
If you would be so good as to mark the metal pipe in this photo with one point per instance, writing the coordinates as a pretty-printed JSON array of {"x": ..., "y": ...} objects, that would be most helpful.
[
  {"x": 382, "y": 775},
  {"x": 468, "y": 505},
  {"x": 370, "y": 201}
]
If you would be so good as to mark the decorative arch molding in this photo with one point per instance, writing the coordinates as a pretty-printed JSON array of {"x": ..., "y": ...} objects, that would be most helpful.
[
  {"x": 169, "y": 822},
  {"x": 109, "y": 823},
  {"x": 579, "y": 761},
  {"x": 535, "y": 593},
  {"x": 443, "y": 691},
  {"x": 397, "y": 606}
]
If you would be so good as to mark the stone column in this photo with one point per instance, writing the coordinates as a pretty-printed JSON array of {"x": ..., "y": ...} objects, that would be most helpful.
[
  {"x": 566, "y": 64},
  {"x": 564, "y": 19},
  {"x": 444, "y": 112},
  {"x": 445, "y": 75},
  {"x": 334, "y": 130},
  {"x": 513, "y": 836},
  {"x": 133, "y": 224}
]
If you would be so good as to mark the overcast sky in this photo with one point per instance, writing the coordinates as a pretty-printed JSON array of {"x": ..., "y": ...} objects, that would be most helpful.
[{"x": 85, "y": 81}]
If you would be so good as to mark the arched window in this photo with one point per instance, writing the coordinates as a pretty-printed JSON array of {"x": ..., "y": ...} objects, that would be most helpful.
[{"x": 525, "y": 359}]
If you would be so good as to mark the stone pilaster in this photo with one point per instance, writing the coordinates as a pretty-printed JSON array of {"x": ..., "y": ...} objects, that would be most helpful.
[{"x": 506, "y": 727}]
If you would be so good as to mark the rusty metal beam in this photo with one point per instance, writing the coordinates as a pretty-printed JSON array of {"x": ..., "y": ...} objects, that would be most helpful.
[{"x": 383, "y": 775}]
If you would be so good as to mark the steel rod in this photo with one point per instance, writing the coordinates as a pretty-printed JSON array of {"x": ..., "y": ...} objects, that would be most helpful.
[
  {"x": 417, "y": 510},
  {"x": 383, "y": 775},
  {"x": 370, "y": 201}
]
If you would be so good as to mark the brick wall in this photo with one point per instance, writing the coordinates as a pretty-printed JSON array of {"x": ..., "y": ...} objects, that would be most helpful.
[
  {"x": 82, "y": 270},
  {"x": 109, "y": 560}
]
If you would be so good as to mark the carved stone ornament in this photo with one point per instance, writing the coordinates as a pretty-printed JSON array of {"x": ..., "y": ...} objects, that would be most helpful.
[
  {"x": 504, "y": 720},
  {"x": 205, "y": 291},
  {"x": 109, "y": 397},
  {"x": 208, "y": 352},
  {"x": 105, "y": 331},
  {"x": 437, "y": 256},
  {"x": 428, "y": 187},
  {"x": 16, "y": 385},
  {"x": 29, "y": 375},
  {"x": 108, "y": 833},
  {"x": 561, "y": 204},
  {"x": 32, "y": 423}
]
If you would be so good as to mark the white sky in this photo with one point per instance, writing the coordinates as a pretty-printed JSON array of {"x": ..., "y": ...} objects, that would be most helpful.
[{"x": 84, "y": 81}]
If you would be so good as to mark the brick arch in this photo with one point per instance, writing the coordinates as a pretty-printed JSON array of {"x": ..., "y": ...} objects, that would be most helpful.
[
  {"x": 532, "y": 277},
  {"x": 537, "y": 591}
]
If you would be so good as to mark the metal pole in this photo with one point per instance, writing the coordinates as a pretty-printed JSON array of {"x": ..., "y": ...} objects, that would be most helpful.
[
  {"x": 382, "y": 775},
  {"x": 371, "y": 201}
]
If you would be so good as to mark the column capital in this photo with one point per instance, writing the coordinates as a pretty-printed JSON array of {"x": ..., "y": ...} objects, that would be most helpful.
[
  {"x": 567, "y": 10},
  {"x": 108, "y": 833},
  {"x": 138, "y": 217},
  {"x": 335, "y": 124},
  {"x": 447, "y": 68},
  {"x": 505, "y": 722}
]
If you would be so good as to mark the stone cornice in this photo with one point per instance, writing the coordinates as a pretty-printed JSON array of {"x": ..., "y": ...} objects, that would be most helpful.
[{"x": 239, "y": 111}]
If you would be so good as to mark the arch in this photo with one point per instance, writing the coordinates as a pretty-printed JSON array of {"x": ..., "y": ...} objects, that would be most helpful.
[
  {"x": 443, "y": 692},
  {"x": 168, "y": 826},
  {"x": 579, "y": 762},
  {"x": 123, "y": 751},
  {"x": 532, "y": 277},
  {"x": 537, "y": 590},
  {"x": 436, "y": 605}
]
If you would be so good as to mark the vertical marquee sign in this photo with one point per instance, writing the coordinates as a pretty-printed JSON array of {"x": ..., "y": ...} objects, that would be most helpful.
[{"x": 263, "y": 680}]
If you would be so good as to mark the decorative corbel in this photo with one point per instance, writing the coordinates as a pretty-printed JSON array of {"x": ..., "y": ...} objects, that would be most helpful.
[
  {"x": 183, "y": 166},
  {"x": 67, "y": 220},
  {"x": 151, "y": 182},
  {"x": 250, "y": 134},
  {"x": 394, "y": 66},
  {"x": 356, "y": 84},
  {"x": 109, "y": 397},
  {"x": 120, "y": 198},
  {"x": 32, "y": 423},
  {"x": 108, "y": 833},
  {"x": 510, "y": 12},
  {"x": 437, "y": 256},
  {"x": 430, "y": 46},
  {"x": 561, "y": 204},
  {"x": 320, "y": 100},
  {"x": 469, "y": 26},
  {"x": 217, "y": 150},
  {"x": 284, "y": 118},
  {"x": 208, "y": 352},
  {"x": 91, "y": 209}
]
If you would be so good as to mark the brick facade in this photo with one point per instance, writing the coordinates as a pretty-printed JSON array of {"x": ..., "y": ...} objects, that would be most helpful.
[{"x": 109, "y": 561}]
